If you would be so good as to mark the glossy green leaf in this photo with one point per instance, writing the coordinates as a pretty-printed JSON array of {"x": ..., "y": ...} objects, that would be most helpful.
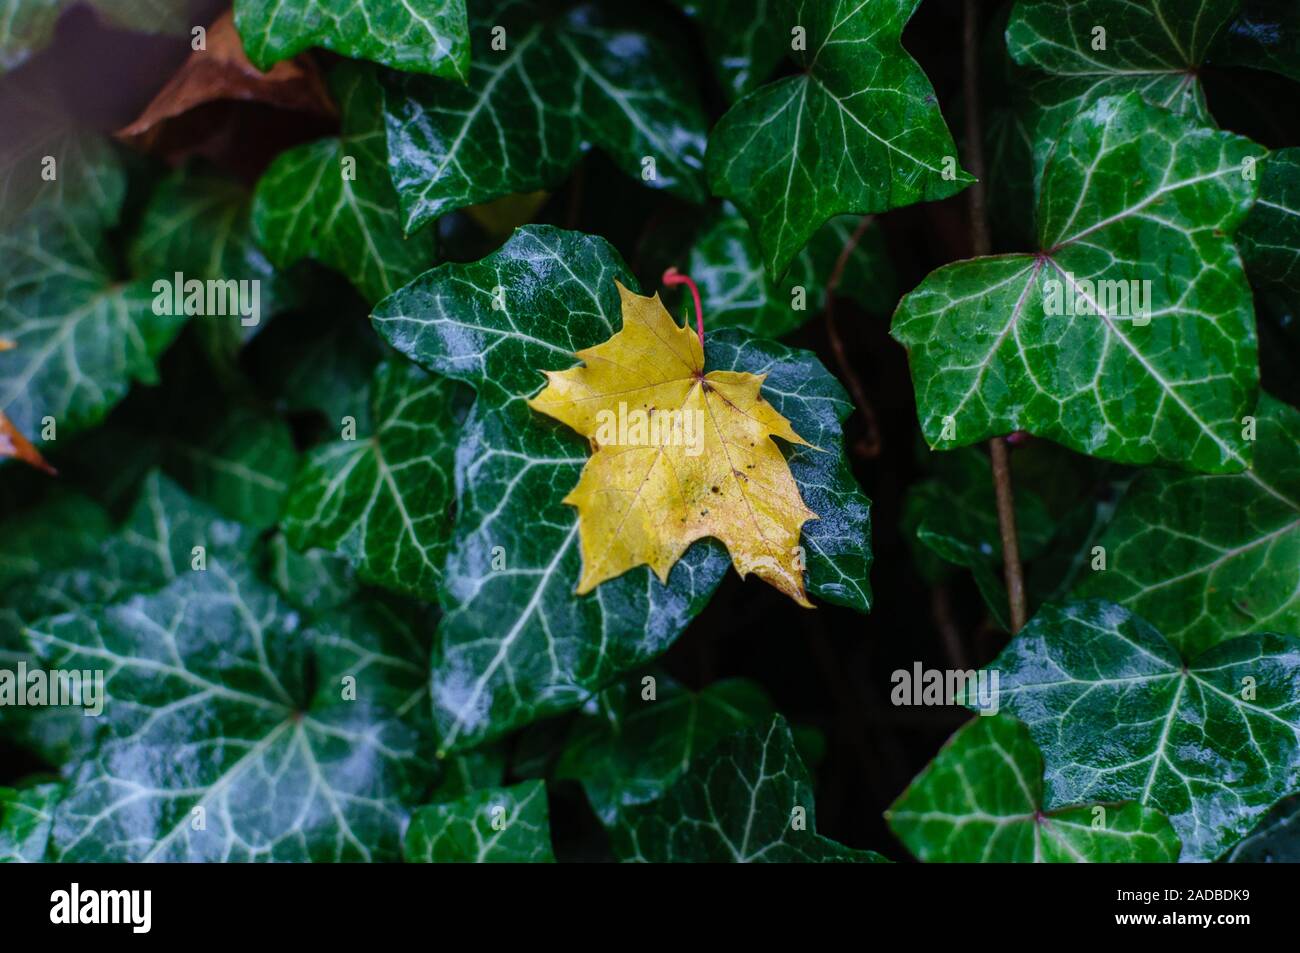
[
  {"x": 981, "y": 801},
  {"x": 242, "y": 464},
  {"x": 737, "y": 292},
  {"x": 857, "y": 130},
  {"x": 1084, "y": 50},
  {"x": 82, "y": 336},
  {"x": 1207, "y": 558},
  {"x": 211, "y": 747},
  {"x": 497, "y": 825},
  {"x": 313, "y": 581},
  {"x": 27, "y": 26},
  {"x": 198, "y": 224},
  {"x": 1269, "y": 239},
  {"x": 69, "y": 568},
  {"x": 26, "y": 816},
  {"x": 837, "y": 543},
  {"x": 332, "y": 199},
  {"x": 1275, "y": 841},
  {"x": 1212, "y": 740},
  {"x": 1265, "y": 34},
  {"x": 746, "y": 800},
  {"x": 744, "y": 40},
  {"x": 514, "y": 560},
  {"x": 424, "y": 36},
  {"x": 628, "y": 749},
  {"x": 385, "y": 499},
  {"x": 1053, "y": 342},
  {"x": 562, "y": 82}
]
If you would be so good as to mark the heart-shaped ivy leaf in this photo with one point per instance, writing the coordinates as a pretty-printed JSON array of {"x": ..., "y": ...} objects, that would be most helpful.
[
  {"x": 980, "y": 801},
  {"x": 214, "y": 745},
  {"x": 858, "y": 130},
  {"x": 1207, "y": 558},
  {"x": 1084, "y": 50},
  {"x": 425, "y": 36},
  {"x": 1212, "y": 741},
  {"x": 82, "y": 336},
  {"x": 543, "y": 86},
  {"x": 1130, "y": 335}
]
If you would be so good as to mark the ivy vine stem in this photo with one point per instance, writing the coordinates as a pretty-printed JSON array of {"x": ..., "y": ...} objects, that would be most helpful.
[{"x": 982, "y": 245}]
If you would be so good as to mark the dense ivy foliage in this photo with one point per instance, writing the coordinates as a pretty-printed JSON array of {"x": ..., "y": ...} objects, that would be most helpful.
[{"x": 277, "y": 483}]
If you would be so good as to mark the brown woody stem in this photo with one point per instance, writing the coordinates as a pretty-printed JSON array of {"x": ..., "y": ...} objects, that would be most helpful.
[{"x": 981, "y": 244}]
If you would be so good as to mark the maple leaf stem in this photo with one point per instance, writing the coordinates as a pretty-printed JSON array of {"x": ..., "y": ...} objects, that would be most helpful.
[
  {"x": 981, "y": 244},
  {"x": 672, "y": 277}
]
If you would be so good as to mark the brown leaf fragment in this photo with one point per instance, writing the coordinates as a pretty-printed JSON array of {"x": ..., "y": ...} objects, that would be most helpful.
[{"x": 223, "y": 72}]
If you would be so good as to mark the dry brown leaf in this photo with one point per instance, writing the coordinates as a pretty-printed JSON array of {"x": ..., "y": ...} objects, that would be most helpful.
[{"x": 223, "y": 72}]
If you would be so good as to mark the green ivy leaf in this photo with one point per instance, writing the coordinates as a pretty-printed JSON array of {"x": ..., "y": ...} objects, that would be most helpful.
[
  {"x": 858, "y": 130},
  {"x": 981, "y": 801},
  {"x": 198, "y": 224},
  {"x": 1132, "y": 193},
  {"x": 736, "y": 803},
  {"x": 82, "y": 336},
  {"x": 241, "y": 463},
  {"x": 26, "y": 816},
  {"x": 67, "y": 569},
  {"x": 743, "y": 42},
  {"x": 424, "y": 36},
  {"x": 87, "y": 173},
  {"x": 1269, "y": 239},
  {"x": 332, "y": 199},
  {"x": 493, "y": 826},
  {"x": 209, "y": 708},
  {"x": 628, "y": 750},
  {"x": 838, "y": 542},
  {"x": 384, "y": 500},
  {"x": 314, "y": 581},
  {"x": 1275, "y": 841},
  {"x": 1212, "y": 741},
  {"x": 1153, "y": 49},
  {"x": 1208, "y": 558},
  {"x": 737, "y": 292},
  {"x": 27, "y": 26},
  {"x": 1264, "y": 35},
  {"x": 514, "y": 561},
  {"x": 562, "y": 82}
]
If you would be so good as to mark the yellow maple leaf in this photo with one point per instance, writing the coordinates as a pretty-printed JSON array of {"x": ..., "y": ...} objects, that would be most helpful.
[{"x": 677, "y": 455}]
